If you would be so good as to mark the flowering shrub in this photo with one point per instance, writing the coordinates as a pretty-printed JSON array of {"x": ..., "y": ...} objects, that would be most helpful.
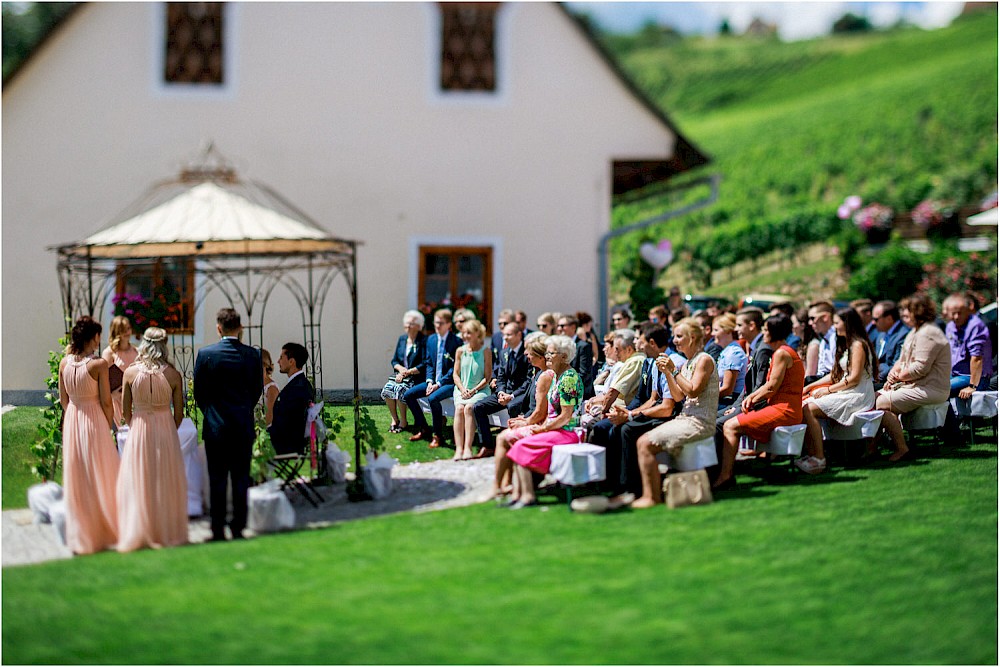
[
  {"x": 164, "y": 310},
  {"x": 873, "y": 216},
  {"x": 463, "y": 301},
  {"x": 931, "y": 213},
  {"x": 975, "y": 273}
]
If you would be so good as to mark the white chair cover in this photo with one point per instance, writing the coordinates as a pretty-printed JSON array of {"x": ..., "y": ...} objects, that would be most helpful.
[
  {"x": 926, "y": 417},
  {"x": 57, "y": 514},
  {"x": 193, "y": 470},
  {"x": 785, "y": 441},
  {"x": 578, "y": 464},
  {"x": 336, "y": 463},
  {"x": 693, "y": 456},
  {"x": 866, "y": 425},
  {"x": 41, "y": 498},
  {"x": 447, "y": 406},
  {"x": 269, "y": 509},
  {"x": 982, "y": 404}
]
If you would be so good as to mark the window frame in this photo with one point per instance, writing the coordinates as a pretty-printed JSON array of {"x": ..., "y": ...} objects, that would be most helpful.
[
  {"x": 160, "y": 87},
  {"x": 122, "y": 270},
  {"x": 454, "y": 252}
]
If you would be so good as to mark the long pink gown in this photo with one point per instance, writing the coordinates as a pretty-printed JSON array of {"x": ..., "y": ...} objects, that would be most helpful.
[
  {"x": 90, "y": 465},
  {"x": 152, "y": 488}
]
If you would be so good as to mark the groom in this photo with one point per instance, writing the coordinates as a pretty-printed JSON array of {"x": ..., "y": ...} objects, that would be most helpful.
[{"x": 228, "y": 380}]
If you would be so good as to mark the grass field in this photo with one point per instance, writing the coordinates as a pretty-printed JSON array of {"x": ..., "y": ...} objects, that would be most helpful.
[{"x": 886, "y": 564}]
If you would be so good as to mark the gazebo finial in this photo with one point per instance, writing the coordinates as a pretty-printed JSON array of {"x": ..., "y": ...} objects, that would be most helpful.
[{"x": 210, "y": 165}]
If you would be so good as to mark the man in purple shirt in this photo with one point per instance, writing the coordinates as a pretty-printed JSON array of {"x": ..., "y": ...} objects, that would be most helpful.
[{"x": 971, "y": 351}]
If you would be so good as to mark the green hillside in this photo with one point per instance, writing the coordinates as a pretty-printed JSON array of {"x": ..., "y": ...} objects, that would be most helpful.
[{"x": 793, "y": 128}]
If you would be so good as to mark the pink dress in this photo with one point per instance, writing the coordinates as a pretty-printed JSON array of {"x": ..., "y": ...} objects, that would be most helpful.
[
  {"x": 90, "y": 465},
  {"x": 535, "y": 451},
  {"x": 152, "y": 488},
  {"x": 123, "y": 359}
]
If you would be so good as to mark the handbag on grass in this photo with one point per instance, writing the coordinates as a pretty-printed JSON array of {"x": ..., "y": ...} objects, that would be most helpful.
[{"x": 681, "y": 489}]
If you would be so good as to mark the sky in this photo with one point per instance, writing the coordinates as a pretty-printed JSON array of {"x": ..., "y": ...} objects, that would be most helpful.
[{"x": 795, "y": 20}]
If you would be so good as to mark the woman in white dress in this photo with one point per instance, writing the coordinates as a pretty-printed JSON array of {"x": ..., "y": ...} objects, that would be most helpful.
[
  {"x": 850, "y": 389},
  {"x": 270, "y": 392}
]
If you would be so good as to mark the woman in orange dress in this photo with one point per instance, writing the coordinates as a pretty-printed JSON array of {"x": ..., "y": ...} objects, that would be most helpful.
[
  {"x": 121, "y": 353},
  {"x": 782, "y": 392},
  {"x": 90, "y": 456},
  {"x": 152, "y": 488}
]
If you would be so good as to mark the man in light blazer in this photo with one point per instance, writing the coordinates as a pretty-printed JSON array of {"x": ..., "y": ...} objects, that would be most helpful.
[
  {"x": 228, "y": 380},
  {"x": 288, "y": 427},
  {"x": 439, "y": 383}
]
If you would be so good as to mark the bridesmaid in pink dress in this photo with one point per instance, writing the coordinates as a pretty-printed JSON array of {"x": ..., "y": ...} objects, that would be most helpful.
[
  {"x": 90, "y": 456},
  {"x": 152, "y": 488},
  {"x": 120, "y": 353}
]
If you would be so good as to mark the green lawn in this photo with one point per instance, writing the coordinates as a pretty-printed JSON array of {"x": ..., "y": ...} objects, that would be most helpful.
[{"x": 886, "y": 564}]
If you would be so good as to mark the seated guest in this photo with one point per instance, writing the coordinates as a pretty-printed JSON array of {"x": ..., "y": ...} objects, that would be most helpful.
[
  {"x": 712, "y": 309},
  {"x": 748, "y": 327},
  {"x": 583, "y": 361},
  {"x": 697, "y": 384},
  {"x": 534, "y": 452},
  {"x": 546, "y": 324},
  {"x": 674, "y": 300},
  {"x": 732, "y": 360},
  {"x": 460, "y": 317},
  {"x": 676, "y": 315},
  {"x": 407, "y": 368},
  {"x": 621, "y": 317},
  {"x": 921, "y": 375},
  {"x": 438, "y": 383},
  {"x": 808, "y": 348},
  {"x": 788, "y": 310},
  {"x": 288, "y": 428},
  {"x": 521, "y": 318},
  {"x": 505, "y": 317},
  {"x": 606, "y": 373},
  {"x": 863, "y": 307},
  {"x": 472, "y": 374},
  {"x": 712, "y": 347},
  {"x": 821, "y": 319},
  {"x": 658, "y": 315},
  {"x": 585, "y": 329},
  {"x": 535, "y": 411},
  {"x": 512, "y": 382},
  {"x": 270, "y": 392},
  {"x": 888, "y": 341},
  {"x": 847, "y": 390},
  {"x": 777, "y": 403},
  {"x": 971, "y": 348},
  {"x": 626, "y": 383}
]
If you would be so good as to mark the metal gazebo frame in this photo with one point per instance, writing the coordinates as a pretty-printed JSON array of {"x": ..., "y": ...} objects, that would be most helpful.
[{"x": 245, "y": 271}]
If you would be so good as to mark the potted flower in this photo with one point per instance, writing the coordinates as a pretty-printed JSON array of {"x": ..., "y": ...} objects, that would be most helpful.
[
  {"x": 875, "y": 220},
  {"x": 936, "y": 218}
]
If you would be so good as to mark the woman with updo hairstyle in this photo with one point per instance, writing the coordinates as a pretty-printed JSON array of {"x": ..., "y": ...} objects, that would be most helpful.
[
  {"x": 119, "y": 353},
  {"x": 697, "y": 384},
  {"x": 90, "y": 456},
  {"x": 152, "y": 488},
  {"x": 269, "y": 394}
]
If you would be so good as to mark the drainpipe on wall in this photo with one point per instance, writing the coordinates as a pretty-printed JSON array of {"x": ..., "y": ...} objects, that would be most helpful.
[{"x": 602, "y": 245}]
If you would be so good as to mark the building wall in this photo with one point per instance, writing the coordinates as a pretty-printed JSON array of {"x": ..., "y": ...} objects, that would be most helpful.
[{"x": 336, "y": 107}]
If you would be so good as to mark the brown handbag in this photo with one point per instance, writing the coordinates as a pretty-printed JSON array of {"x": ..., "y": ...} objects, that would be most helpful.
[{"x": 681, "y": 489}]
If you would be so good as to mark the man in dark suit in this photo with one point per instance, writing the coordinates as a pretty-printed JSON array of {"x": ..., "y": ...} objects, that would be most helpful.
[
  {"x": 512, "y": 380},
  {"x": 497, "y": 341},
  {"x": 584, "y": 360},
  {"x": 749, "y": 326},
  {"x": 440, "y": 362},
  {"x": 889, "y": 344},
  {"x": 228, "y": 380},
  {"x": 288, "y": 427}
]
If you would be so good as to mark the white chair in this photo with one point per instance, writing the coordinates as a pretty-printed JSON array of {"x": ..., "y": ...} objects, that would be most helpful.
[
  {"x": 982, "y": 404},
  {"x": 499, "y": 418},
  {"x": 784, "y": 441},
  {"x": 187, "y": 432},
  {"x": 447, "y": 406},
  {"x": 693, "y": 456},
  {"x": 926, "y": 417},
  {"x": 578, "y": 464},
  {"x": 866, "y": 425}
]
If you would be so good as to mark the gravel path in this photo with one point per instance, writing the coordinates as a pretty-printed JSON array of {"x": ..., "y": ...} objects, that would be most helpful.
[{"x": 417, "y": 487}]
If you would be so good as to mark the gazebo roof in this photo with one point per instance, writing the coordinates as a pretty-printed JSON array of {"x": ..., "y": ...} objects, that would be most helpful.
[{"x": 208, "y": 211}]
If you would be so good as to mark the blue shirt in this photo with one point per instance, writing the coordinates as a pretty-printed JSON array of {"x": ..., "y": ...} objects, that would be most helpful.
[{"x": 733, "y": 358}]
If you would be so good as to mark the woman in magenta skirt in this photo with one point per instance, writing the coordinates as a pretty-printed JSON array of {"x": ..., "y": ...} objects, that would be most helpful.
[{"x": 534, "y": 453}]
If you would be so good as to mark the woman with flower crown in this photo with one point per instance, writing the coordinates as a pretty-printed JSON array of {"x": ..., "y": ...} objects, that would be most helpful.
[{"x": 152, "y": 488}]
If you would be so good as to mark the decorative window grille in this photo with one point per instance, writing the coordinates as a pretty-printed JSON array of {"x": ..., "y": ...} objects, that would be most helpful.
[
  {"x": 468, "y": 46},
  {"x": 194, "y": 49}
]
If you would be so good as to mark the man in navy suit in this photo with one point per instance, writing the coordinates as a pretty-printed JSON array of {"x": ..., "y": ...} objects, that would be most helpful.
[
  {"x": 512, "y": 380},
  {"x": 889, "y": 344},
  {"x": 497, "y": 341},
  {"x": 228, "y": 380},
  {"x": 288, "y": 427},
  {"x": 440, "y": 356}
]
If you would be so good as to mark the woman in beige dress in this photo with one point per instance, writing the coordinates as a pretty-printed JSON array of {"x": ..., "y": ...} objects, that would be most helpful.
[
  {"x": 152, "y": 488},
  {"x": 697, "y": 384},
  {"x": 121, "y": 353},
  {"x": 90, "y": 457},
  {"x": 921, "y": 376}
]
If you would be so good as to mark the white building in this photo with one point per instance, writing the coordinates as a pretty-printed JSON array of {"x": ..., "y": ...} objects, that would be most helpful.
[{"x": 470, "y": 148}]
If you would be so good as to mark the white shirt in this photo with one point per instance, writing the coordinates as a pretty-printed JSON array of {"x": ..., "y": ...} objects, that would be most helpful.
[
  {"x": 295, "y": 374},
  {"x": 827, "y": 349}
]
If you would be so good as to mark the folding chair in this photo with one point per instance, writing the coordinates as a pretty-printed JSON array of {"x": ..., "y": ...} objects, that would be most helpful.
[{"x": 288, "y": 466}]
